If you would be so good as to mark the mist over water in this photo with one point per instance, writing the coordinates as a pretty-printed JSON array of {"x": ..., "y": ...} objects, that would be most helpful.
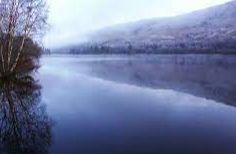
[{"x": 141, "y": 104}]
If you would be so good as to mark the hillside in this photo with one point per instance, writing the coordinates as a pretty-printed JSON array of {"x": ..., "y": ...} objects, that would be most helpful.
[{"x": 209, "y": 30}]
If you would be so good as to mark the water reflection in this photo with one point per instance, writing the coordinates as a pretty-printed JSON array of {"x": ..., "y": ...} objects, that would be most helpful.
[
  {"x": 102, "y": 110},
  {"x": 207, "y": 76},
  {"x": 25, "y": 126}
]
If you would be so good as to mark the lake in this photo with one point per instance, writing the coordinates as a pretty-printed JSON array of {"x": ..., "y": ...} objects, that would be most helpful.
[{"x": 157, "y": 104}]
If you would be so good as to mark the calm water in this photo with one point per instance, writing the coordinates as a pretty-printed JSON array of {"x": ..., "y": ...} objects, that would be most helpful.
[{"x": 140, "y": 104}]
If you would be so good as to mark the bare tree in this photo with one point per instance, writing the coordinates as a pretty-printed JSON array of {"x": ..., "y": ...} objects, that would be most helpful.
[{"x": 22, "y": 19}]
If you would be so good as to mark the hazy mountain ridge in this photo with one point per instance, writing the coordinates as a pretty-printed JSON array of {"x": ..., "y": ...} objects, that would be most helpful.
[{"x": 212, "y": 29}]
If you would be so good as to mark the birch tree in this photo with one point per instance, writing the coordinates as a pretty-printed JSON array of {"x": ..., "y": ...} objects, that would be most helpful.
[{"x": 19, "y": 19}]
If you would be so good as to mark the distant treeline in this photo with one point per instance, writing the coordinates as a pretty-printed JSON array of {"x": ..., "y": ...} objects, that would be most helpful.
[{"x": 226, "y": 47}]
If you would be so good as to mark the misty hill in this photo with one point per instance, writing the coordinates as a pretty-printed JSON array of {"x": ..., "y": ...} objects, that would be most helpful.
[{"x": 209, "y": 30}]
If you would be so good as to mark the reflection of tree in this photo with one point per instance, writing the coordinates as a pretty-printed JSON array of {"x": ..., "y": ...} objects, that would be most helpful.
[{"x": 25, "y": 127}]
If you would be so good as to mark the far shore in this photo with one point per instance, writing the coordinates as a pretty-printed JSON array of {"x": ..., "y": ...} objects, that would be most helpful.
[{"x": 158, "y": 53}]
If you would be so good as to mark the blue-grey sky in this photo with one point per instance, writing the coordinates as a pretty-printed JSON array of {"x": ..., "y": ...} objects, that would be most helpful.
[{"x": 70, "y": 19}]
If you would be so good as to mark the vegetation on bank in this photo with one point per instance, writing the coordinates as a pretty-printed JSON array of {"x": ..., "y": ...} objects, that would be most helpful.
[
  {"x": 25, "y": 125},
  {"x": 21, "y": 26}
]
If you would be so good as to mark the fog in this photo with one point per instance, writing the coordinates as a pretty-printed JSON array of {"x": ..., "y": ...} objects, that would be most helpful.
[{"x": 70, "y": 20}]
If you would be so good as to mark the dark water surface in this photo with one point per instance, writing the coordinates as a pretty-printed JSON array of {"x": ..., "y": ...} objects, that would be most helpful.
[{"x": 141, "y": 104}]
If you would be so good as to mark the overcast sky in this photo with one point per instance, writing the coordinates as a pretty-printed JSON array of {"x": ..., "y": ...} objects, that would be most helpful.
[{"x": 70, "y": 19}]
